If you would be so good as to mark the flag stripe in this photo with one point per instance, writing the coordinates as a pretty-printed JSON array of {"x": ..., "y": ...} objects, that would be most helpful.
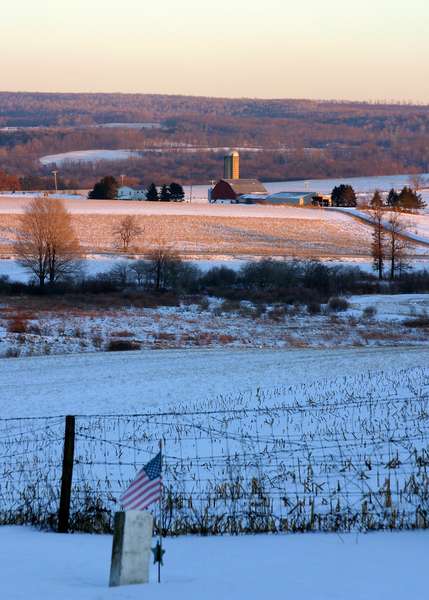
[
  {"x": 135, "y": 489},
  {"x": 140, "y": 493},
  {"x": 147, "y": 500},
  {"x": 150, "y": 494},
  {"x": 142, "y": 476}
]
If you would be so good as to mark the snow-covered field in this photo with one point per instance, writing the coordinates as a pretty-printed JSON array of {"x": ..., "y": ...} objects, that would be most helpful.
[
  {"x": 132, "y": 382},
  {"x": 87, "y": 156},
  {"x": 417, "y": 225},
  {"x": 210, "y": 230},
  {"x": 381, "y": 566}
]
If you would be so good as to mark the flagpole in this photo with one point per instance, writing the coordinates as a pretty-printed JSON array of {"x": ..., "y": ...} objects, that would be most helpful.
[{"x": 160, "y": 516}]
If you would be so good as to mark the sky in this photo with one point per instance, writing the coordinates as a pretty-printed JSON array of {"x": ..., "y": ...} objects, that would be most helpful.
[{"x": 342, "y": 49}]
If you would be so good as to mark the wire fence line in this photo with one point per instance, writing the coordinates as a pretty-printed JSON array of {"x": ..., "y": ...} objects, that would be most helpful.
[{"x": 339, "y": 464}]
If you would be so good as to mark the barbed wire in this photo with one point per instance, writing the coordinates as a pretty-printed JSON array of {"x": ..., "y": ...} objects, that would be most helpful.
[{"x": 358, "y": 463}]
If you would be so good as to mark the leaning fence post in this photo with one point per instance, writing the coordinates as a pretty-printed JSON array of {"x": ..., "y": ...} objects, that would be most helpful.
[{"x": 67, "y": 475}]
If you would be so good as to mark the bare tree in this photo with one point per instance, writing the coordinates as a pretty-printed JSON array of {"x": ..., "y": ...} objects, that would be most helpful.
[
  {"x": 397, "y": 244},
  {"x": 127, "y": 230},
  {"x": 162, "y": 260},
  {"x": 418, "y": 182},
  {"x": 46, "y": 244},
  {"x": 378, "y": 244}
]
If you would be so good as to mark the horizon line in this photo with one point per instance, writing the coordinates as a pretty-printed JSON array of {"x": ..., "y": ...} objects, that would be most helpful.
[{"x": 370, "y": 101}]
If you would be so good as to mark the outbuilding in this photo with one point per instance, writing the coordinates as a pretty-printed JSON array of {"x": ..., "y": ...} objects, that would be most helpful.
[
  {"x": 128, "y": 193},
  {"x": 232, "y": 189},
  {"x": 291, "y": 198}
]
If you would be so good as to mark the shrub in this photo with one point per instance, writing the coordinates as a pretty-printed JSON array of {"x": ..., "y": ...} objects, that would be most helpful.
[
  {"x": 34, "y": 328},
  {"x": 12, "y": 353},
  {"x": 17, "y": 325},
  {"x": 123, "y": 333},
  {"x": 313, "y": 308},
  {"x": 203, "y": 305},
  {"x": 369, "y": 312},
  {"x": 230, "y": 306},
  {"x": 219, "y": 277},
  {"x": 122, "y": 345},
  {"x": 337, "y": 304},
  {"x": 422, "y": 321}
]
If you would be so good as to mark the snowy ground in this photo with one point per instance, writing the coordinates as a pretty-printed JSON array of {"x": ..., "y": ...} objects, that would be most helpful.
[
  {"x": 33, "y": 327},
  {"x": 417, "y": 225},
  {"x": 133, "y": 382},
  {"x": 380, "y": 566}
]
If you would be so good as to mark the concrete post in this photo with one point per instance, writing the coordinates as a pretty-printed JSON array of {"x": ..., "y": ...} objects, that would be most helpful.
[{"x": 131, "y": 549}]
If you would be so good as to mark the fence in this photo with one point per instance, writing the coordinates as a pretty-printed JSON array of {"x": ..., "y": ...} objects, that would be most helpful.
[{"x": 338, "y": 464}]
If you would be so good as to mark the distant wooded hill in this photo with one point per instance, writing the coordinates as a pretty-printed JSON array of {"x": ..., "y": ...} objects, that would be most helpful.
[{"x": 299, "y": 138}]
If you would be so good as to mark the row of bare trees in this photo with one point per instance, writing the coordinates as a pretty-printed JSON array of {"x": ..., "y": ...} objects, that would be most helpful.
[
  {"x": 48, "y": 248},
  {"x": 390, "y": 245}
]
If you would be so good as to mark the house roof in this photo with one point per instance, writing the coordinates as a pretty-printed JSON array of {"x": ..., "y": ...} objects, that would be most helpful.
[
  {"x": 132, "y": 189},
  {"x": 246, "y": 186}
]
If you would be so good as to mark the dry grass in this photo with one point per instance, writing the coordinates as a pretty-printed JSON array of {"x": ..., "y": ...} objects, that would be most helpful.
[
  {"x": 222, "y": 234},
  {"x": 17, "y": 325}
]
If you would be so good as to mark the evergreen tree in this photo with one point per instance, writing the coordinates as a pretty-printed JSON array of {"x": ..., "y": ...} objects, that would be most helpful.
[
  {"x": 152, "y": 193},
  {"x": 176, "y": 192},
  {"x": 105, "y": 189},
  {"x": 392, "y": 198},
  {"x": 409, "y": 199},
  {"x": 343, "y": 195},
  {"x": 376, "y": 200},
  {"x": 164, "y": 195}
]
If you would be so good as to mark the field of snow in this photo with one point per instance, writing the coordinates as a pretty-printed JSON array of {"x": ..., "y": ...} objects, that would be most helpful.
[
  {"x": 132, "y": 382},
  {"x": 392, "y": 307},
  {"x": 15, "y": 204},
  {"x": 87, "y": 156},
  {"x": 382, "y": 566},
  {"x": 417, "y": 225}
]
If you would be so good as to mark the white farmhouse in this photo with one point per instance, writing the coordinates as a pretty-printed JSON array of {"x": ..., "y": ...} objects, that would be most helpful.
[{"x": 128, "y": 193}]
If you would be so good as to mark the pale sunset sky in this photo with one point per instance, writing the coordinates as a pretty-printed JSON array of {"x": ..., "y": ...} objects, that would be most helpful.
[{"x": 363, "y": 49}]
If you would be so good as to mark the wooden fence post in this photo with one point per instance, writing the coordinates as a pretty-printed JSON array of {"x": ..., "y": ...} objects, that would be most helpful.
[{"x": 67, "y": 475}]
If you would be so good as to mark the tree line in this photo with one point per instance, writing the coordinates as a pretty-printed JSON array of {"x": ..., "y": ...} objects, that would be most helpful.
[
  {"x": 406, "y": 199},
  {"x": 107, "y": 189}
]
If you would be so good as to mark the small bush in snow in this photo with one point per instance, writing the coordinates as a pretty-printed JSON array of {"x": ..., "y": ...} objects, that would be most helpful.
[
  {"x": 336, "y": 304},
  {"x": 313, "y": 308},
  {"x": 12, "y": 353},
  {"x": 369, "y": 312},
  {"x": 122, "y": 345}
]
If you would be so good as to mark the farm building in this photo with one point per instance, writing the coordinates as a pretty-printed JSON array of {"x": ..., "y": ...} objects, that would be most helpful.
[
  {"x": 291, "y": 198},
  {"x": 286, "y": 198},
  {"x": 128, "y": 193},
  {"x": 233, "y": 189}
]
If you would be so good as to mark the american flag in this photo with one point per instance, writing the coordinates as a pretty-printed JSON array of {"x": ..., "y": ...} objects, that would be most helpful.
[{"x": 146, "y": 487}]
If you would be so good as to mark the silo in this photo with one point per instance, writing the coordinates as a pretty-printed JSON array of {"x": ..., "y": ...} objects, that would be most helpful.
[{"x": 231, "y": 166}]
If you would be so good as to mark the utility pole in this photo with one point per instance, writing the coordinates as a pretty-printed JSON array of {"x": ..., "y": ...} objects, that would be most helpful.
[
  {"x": 54, "y": 173},
  {"x": 122, "y": 179}
]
